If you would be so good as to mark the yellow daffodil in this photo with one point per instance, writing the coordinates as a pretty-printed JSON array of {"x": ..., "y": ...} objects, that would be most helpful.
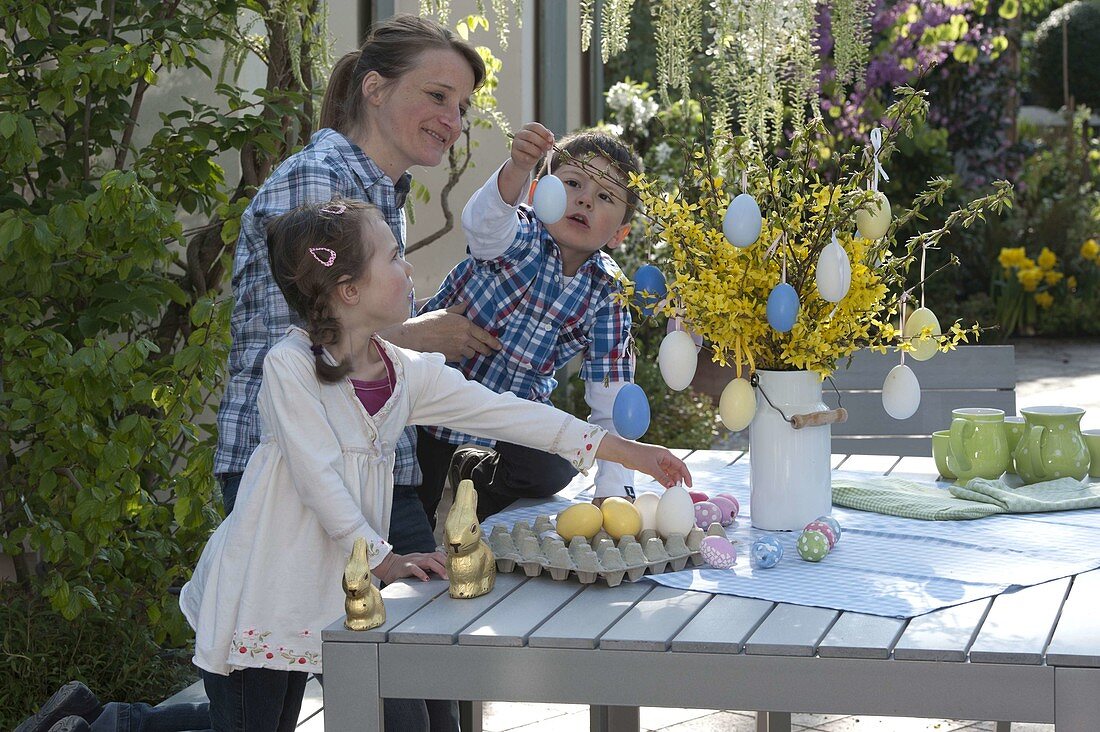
[
  {"x": 1012, "y": 257},
  {"x": 1044, "y": 299},
  {"x": 1030, "y": 278},
  {"x": 1090, "y": 250},
  {"x": 1047, "y": 259},
  {"x": 1053, "y": 277}
]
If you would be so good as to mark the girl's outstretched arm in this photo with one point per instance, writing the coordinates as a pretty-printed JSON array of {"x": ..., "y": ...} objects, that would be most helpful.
[{"x": 653, "y": 460}]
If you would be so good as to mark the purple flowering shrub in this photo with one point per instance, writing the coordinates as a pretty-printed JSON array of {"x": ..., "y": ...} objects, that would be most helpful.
[{"x": 960, "y": 52}]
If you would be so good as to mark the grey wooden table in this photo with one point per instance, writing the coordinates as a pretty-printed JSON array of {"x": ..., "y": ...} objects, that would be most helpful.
[{"x": 1029, "y": 656}]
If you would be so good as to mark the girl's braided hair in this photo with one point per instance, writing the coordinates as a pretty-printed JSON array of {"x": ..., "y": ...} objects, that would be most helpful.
[{"x": 312, "y": 249}]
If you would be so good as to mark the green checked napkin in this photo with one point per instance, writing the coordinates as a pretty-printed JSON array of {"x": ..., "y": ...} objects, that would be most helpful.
[
  {"x": 1063, "y": 494},
  {"x": 979, "y": 498}
]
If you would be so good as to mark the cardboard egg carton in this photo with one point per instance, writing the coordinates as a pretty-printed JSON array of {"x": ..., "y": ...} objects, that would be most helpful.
[{"x": 538, "y": 548}]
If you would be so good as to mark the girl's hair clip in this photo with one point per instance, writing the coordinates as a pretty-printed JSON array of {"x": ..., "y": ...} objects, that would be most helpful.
[
  {"x": 334, "y": 208},
  {"x": 330, "y": 255}
]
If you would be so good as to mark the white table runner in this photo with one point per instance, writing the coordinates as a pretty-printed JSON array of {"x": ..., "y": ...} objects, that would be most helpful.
[{"x": 883, "y": 565}]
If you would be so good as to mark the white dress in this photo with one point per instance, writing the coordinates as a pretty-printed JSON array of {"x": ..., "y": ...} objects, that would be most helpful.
[{"x": 269, "y": 578}]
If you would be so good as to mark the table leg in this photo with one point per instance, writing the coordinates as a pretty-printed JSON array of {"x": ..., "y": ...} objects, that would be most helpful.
[
  {"x": 1076, "y": 703},
  {"x": 352, "y": 696},
  {"x": 773, "y": 722},
  {"x": 470, "y": 716},
  {"x": 613, "y": 719}
]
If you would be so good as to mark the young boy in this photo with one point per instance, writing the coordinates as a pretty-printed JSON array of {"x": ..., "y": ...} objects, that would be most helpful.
[{"x": 547, "y": 292}]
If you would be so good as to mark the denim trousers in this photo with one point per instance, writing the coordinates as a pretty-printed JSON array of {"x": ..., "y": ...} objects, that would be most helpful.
[
  {"x": 503, "y": 476},
  {"x": 137, "y": 717},
  {"x": 409, "y": 531},
  {"x": 255, "y": 699}
]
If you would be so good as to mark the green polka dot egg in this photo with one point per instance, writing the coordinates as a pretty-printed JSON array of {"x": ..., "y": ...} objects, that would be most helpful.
[{"x": 812, "y": 545}]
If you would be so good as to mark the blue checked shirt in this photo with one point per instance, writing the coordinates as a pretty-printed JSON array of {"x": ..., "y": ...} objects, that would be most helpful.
[
  {"x": 542, "y": 318},
  {"x": 330, "y": 165}
]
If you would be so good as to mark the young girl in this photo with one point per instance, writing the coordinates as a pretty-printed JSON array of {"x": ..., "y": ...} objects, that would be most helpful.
[{"x": 333, "y": 402}]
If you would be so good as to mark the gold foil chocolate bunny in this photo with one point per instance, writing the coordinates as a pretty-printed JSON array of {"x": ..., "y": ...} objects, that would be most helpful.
[
  {"x": 470, "y": 565},
  {"x": 363, "y": 602}
]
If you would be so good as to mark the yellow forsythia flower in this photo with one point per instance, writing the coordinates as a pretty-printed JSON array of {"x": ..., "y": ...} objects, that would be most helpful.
[
  {"x": 1047, "y": 259},
  {"x": 1090, "y": 250},
  {"x": 1044, "y": 299},
  {"x": 1030, "y": 278}
]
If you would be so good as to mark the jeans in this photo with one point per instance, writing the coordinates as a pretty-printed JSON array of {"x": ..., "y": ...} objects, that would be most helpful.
[
  {"x": 231, "y": 483},
  {"x": 121, "y": 717},
  {"x": 255, "y": 699},
  {"x": 509, "y": 473}
]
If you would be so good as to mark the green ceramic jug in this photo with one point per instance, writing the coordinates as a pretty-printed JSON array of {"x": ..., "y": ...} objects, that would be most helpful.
[
  {"x": 1052, "y": 446},
  {"x": 979, "y": 448}
]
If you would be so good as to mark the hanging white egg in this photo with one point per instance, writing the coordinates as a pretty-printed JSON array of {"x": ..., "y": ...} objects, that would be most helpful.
[
  {"x": 917, "y": 321},
  {"x": 646, "y": 503},
  {"x": 742, "y": 221},
  {"x": 678, "y": 324},
  {"x": 834, "y": 272},
  {"x": 873, "y": 221},
  {"x": 901, "y": 392},
  {"x": 737, "y": 405},
  {"x": 549, "y": 200},
  {"x": 677, "y": 359},
  {"x": 675, "y": 512}
]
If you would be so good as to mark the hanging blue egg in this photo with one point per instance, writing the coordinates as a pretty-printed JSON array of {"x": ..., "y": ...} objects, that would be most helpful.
[
  {"x": 649, "y": 288},
  {"x": 742, "y": 222},
  {"x": 630, "y": 413},
  {"x": 783, "y": 307}
]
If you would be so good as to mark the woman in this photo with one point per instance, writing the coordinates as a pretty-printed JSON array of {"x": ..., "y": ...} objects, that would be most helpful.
[{"x": 399, "y": 101}]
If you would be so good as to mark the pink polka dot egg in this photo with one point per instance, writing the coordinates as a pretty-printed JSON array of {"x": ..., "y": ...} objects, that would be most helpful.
[
  {"x": 824, "y": 528},
  {"x": 706, "y": 513},
  {"x": 728, "y": 509},
  {"x": 718, "y": 552},
  {"x": 732, "y": 499}
]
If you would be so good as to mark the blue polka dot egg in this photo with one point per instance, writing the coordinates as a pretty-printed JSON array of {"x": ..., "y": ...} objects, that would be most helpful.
[
  {"x": 765, "y": 553},
  {"x": 833, "y": 524}
]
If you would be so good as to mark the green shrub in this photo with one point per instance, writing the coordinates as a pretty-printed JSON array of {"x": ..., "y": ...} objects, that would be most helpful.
[
  {"x": 39, "y": 652},
  {"x": 112, "y": 334},
  {"x": 1082, "y": 19}
]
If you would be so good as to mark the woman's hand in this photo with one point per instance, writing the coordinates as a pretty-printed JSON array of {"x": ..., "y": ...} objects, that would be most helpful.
[
  {"x": 395, "y": 566},
  {"x": 653, "y": 460},
  {"x": 448, "y": 332}
]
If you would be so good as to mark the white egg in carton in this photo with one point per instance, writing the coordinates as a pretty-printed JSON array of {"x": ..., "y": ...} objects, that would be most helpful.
[{"x": 539, "y": 548}]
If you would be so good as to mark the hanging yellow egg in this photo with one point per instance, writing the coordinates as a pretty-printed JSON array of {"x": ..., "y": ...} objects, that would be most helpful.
[
  {"x": 873, "y": 221},
  {"x": 917, "y": 321},
  {"x": 737, "y": 405}
]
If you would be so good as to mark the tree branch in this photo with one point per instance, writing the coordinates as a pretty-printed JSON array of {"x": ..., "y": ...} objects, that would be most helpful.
[{"x": 456, "y": 171}]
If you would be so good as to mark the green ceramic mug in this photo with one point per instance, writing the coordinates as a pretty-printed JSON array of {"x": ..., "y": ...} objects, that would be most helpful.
[
  {"x": 941, "y": 446},
  {"x": 979, "y": 448},
  {"x": 1092, "y": 441},
  {"x": 1014, "y": 430},
  {"x": 1052, "y": 446}
]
